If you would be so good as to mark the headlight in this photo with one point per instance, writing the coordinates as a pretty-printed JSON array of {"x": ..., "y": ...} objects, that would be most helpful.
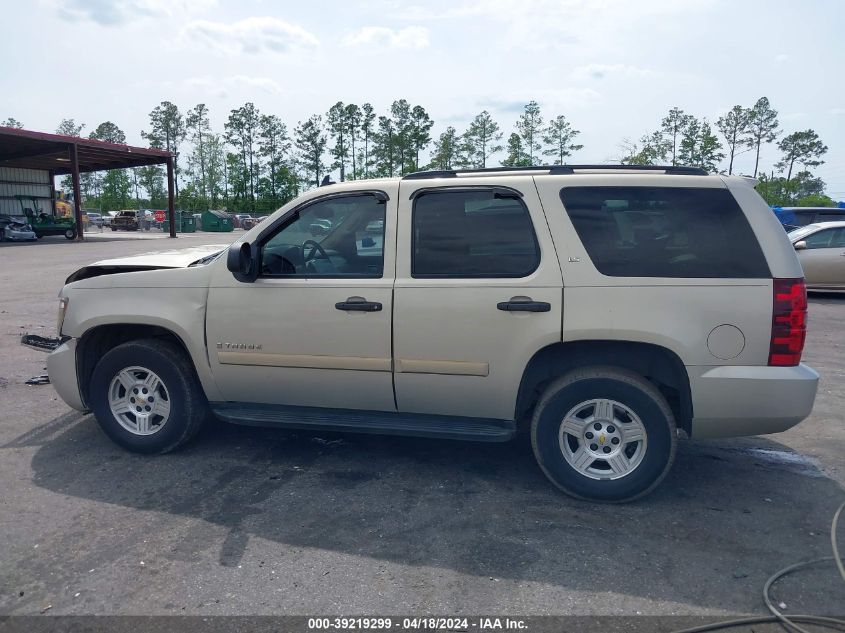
[{"x": 63, "y": 301}]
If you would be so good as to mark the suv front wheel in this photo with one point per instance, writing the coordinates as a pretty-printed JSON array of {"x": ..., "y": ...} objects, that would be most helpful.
[
  {"x": 146, "y": 397},
  {"x": 603, "y": 434}
]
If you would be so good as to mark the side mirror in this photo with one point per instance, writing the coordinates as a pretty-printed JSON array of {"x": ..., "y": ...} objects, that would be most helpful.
[
  {"x": 242, "y": 261},
  {"x": 800, "y": 245}
]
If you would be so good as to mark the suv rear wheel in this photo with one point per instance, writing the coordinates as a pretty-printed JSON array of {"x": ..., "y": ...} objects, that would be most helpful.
[
  {"x": 604, "y": 434},
  {"x": 146, "y": 397}
]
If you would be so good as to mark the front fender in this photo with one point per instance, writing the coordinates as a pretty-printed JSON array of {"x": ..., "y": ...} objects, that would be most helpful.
[{"x": 178, "y": 310}]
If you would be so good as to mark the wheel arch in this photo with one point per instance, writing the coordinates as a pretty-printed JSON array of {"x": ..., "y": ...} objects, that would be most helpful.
[
  {"x": 100, "y": 339},
  {"x": 659, "y": 365}
]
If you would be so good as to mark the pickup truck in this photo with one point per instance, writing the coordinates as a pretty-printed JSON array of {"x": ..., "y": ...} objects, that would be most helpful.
[{"x": 125, "y": 221}]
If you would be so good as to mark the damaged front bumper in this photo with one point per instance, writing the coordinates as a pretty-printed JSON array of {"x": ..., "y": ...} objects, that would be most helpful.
[{"x": 42, "y": 343}]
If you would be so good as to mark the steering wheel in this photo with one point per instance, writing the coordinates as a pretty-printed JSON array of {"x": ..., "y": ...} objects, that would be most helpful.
[{"x": 316, "y": 250}]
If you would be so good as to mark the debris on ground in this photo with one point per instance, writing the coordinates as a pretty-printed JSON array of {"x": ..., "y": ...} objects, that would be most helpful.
[
  {"x": 43, "y": 379},
  {"x": 325, "y": 442}
]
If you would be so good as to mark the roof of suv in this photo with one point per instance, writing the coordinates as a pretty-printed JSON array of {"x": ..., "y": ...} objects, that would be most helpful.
[{"x": 652, "y": 171}]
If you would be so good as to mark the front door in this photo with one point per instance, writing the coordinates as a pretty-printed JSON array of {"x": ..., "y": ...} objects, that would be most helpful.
[
  {"x": 478, "y": 292},
  {"x": 314, "y": 328}
]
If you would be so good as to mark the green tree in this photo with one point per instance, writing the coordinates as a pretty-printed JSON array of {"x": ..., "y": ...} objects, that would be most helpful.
[
  {"x": 151, "y": 178},
  {"x": 273, "y": 146},
  {"x": 384, "y": 147},
  {"x": 69, "y": 127},
  {"x": 560, "y": 136},
  {"x": 367, "y": 130},
  {"x": 310, "y": 140},
  {"x": 113, "y": 187},
  {"x": 216, "y": 169},
  {"x": 481, "y": 140},
  {"x": 419, "y": 135},
  {"x": 517, "y": 156},
  {"x": 804, "y": 190},
  {"x": 198, "y": 128},
  {"x": 108, "y": 132},
  {"x": 762, "y": 128},
  {"x": 338, "y": 128},
  {"x": 354, "y": 117},
  {"x": 674, "y": 126},
  {"x": 401, "y": 150},
  {"x": 116, "y": 190},
  {"x": 804, "y": 148},
  {"x": 445, "y": 151},
  {"x": 241, "y": 132},
  {"x": 237, "y": 181},
  {"x": 653, "y": 149},
  {"x": 699, "y": 147},
  {"x": 12, "y": 122},
  {"x": 530, "y": 130},
  {"x": 167, "y": 131},
  {"x": 734, "y": 128}
]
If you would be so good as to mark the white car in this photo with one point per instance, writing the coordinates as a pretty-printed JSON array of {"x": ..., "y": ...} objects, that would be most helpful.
[
  {"x": 596, "y": 307},
  {"x": 17, "y": 230}
]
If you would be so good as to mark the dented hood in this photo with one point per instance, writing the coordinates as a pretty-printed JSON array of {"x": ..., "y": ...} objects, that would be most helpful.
[{"x": 148, "y": 261}]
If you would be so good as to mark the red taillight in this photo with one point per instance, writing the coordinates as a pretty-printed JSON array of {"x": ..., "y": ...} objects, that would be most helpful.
[{"x": 789, "y": 322}]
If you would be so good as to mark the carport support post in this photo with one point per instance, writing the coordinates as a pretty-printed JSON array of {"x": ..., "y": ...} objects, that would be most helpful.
[
  {"x": 171, "y": 207},
  {"x": 77, "y": 194}
]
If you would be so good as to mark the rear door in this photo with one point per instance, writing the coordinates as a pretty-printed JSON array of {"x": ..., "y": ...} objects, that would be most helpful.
[{"x": 477, "y": 293}]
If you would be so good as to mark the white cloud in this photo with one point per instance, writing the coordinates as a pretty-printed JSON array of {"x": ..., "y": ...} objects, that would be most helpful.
[
  {"x": 223, "y": 87},
  {"x": 250, "y": 35},
  {"x": 119, "y": 12},
  {"x": 415, "y": 37},
  {"x": 600, "y": 71}
]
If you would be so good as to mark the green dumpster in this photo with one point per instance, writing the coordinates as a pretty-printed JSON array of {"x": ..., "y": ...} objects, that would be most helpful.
[
  {"x": 165, "y": 226},
  {"x": 217, "y": 221},
  {"x": 189, "y": 223}
]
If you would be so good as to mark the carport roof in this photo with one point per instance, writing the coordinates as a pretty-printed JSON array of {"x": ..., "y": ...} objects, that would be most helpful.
[{"x": 39, "y": 150}]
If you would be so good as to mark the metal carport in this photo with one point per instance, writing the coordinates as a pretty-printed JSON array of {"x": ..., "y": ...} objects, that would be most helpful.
[{"x": 60, "y": 155}]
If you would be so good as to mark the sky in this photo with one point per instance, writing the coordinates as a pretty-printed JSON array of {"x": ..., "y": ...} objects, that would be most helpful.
[{"x": 612, "y": 67}]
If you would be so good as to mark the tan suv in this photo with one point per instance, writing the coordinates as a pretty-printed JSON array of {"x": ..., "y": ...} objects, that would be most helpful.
[{"x": 601, "y": 308}]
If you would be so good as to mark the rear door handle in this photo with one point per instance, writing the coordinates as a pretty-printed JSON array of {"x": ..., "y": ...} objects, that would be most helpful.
[
  {"x": 358, "y": 304},
  {"x": 523, "y": 305}
]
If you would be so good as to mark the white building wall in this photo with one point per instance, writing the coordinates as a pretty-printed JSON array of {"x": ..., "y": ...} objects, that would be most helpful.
[{"x": 24, "y": 182}]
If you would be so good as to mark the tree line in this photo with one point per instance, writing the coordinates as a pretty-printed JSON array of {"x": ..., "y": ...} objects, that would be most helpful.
[
  {"x": 256, "y": 164},
  {"x": 683, "y": 139}
]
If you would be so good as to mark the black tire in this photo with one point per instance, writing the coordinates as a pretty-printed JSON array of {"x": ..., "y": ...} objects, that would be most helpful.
[
  {"x": 70, "y": 234},
  {"x": 188, "y": 405},
  {"x": 114, "y": 228},
  {"x": 627, "y": 388}
]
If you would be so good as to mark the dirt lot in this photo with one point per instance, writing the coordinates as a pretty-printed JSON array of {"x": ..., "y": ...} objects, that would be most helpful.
[{"x": 253, "y": 521}]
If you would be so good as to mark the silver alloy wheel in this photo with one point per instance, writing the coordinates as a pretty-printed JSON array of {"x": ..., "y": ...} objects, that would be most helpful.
[
  {"x": 139, "y": 400},
  {"x": 602, "y": 439}
]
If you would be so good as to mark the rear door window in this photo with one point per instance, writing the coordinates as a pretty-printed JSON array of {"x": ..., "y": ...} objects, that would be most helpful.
[
  {"x": 469, "y": 234},
  {"x": 665, "y": 232}
]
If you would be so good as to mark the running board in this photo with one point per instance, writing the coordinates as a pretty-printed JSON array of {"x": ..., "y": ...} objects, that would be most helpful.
[{"x": 356, "y": 421}]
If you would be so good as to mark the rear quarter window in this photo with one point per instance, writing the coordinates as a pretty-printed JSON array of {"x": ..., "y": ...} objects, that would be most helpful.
[{"x": 665, "y": 232}]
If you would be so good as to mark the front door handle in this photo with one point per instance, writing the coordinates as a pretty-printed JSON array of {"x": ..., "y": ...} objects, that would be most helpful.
[
  {"x": 358, "y": 304},
  {"x": 524, "y": 305}
]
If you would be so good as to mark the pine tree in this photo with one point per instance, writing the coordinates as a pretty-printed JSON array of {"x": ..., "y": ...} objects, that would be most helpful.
[{"x": 559, "y": 136}]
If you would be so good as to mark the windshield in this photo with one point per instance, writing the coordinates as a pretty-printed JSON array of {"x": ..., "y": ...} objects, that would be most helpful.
[{"x": 802, "y": 232}]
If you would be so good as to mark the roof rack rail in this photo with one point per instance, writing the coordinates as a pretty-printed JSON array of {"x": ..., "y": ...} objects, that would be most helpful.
[{"x": 557, "y": 170}]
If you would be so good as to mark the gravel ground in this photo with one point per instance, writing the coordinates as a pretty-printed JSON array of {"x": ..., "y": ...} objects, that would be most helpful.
[{"x": 255, "y": 521}]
